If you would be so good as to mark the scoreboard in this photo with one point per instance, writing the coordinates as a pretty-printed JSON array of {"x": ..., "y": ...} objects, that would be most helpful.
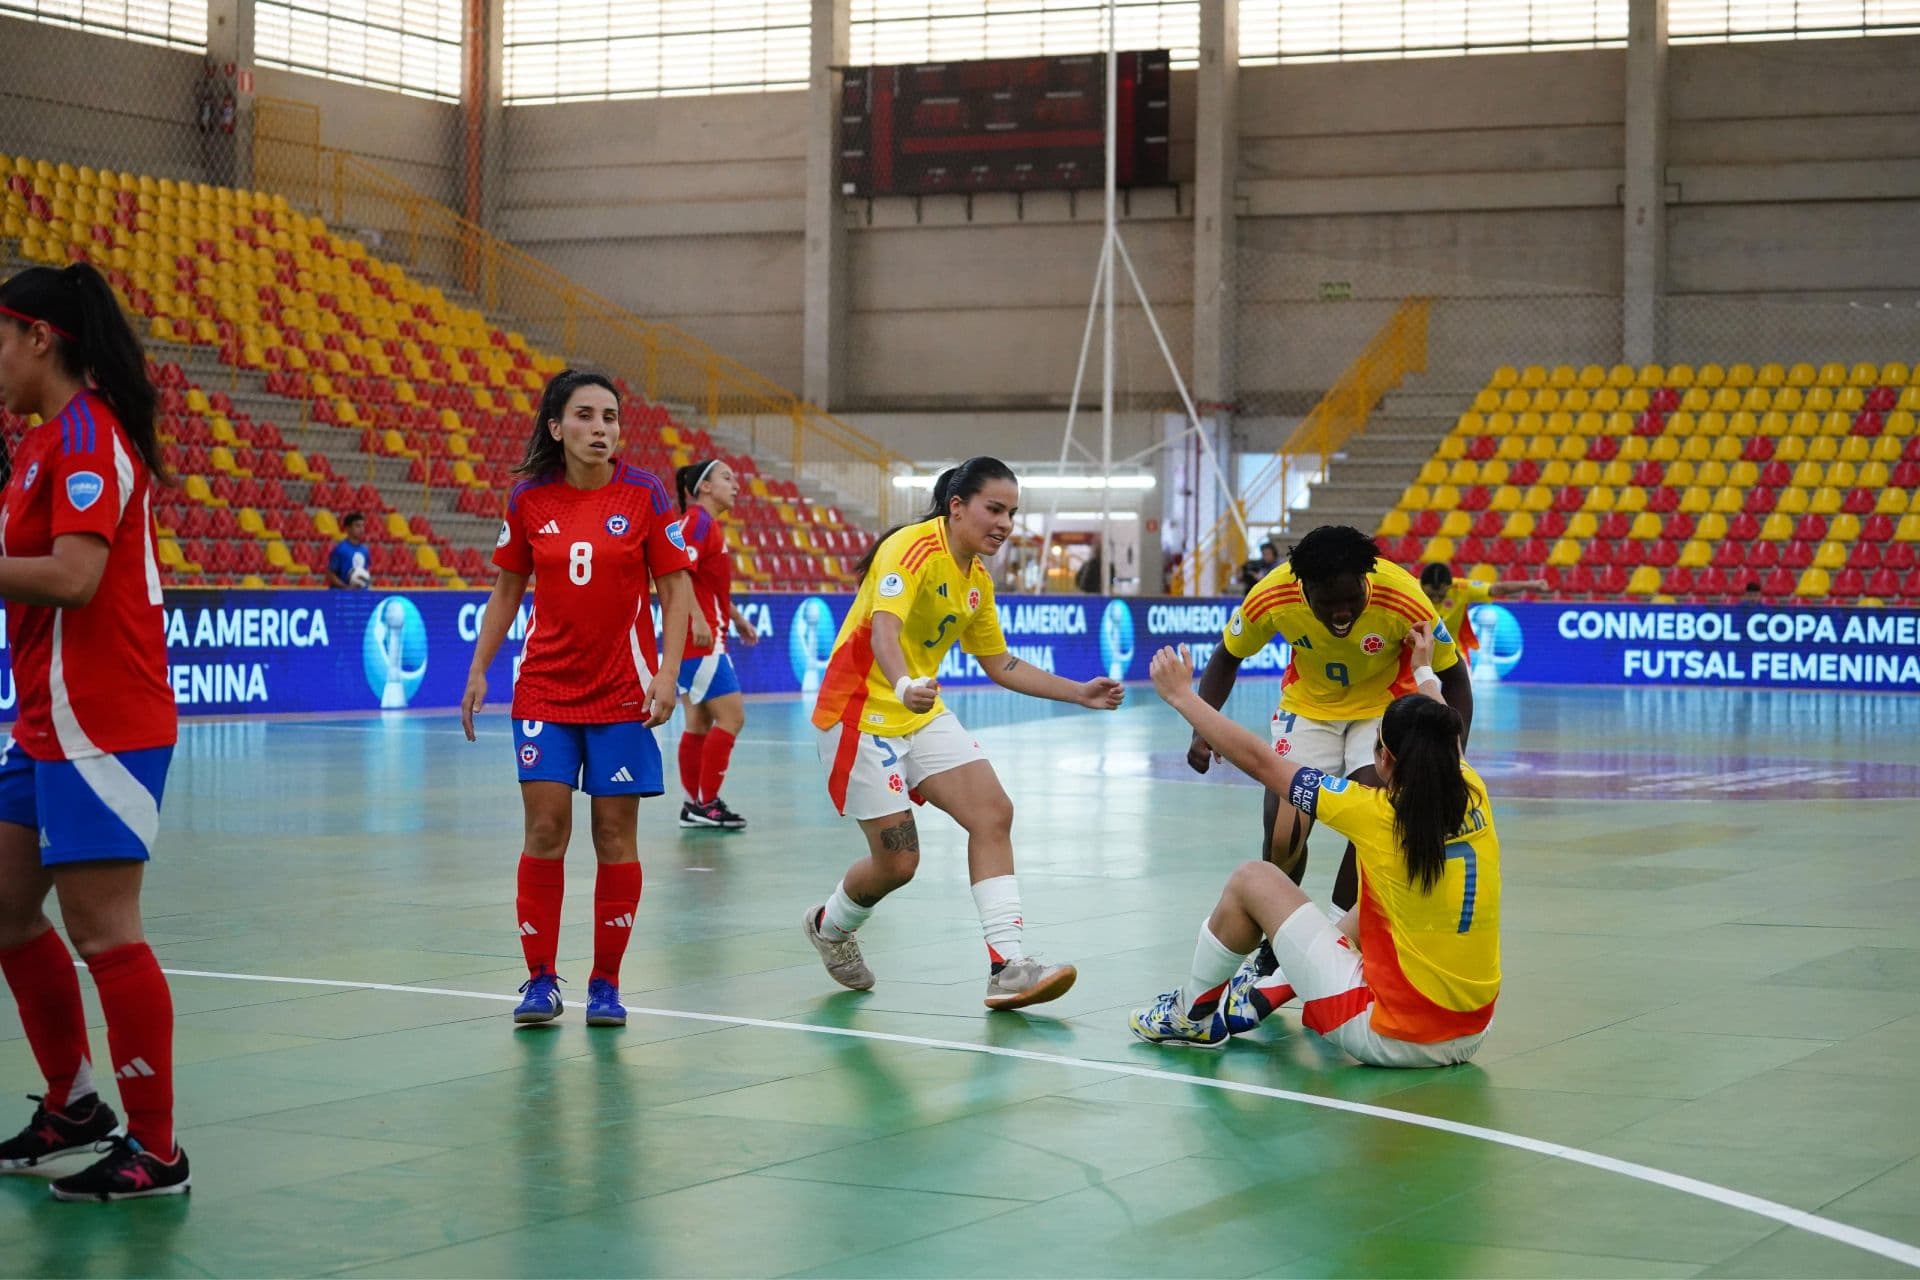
[{"x": 1004, "y": 124}]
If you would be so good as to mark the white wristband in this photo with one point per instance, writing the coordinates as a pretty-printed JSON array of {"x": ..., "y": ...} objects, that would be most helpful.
[
  {"x": 901, "y": 686},
  {"x": 1424, "y": 675}
]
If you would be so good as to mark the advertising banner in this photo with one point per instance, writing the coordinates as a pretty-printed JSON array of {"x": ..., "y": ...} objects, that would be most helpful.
[{"x": 267, "y": 652}]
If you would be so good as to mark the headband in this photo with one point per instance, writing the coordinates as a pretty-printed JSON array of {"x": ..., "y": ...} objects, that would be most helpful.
[
  {"x": 24, "y": 318},
  {"x": 702, "y": 477}
]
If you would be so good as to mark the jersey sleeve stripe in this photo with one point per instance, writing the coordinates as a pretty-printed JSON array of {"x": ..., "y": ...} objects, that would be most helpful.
[
  {"x": 1401, "y": 605},
  {"x": 1394, "y": 593},
  {"x": 1269, "y": 602},
  {"x": 89, "y": 440},
  {"x": 919, "y": 553}
]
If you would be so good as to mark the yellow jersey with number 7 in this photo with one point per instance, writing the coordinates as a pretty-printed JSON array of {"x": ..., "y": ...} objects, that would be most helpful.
[
  {"x": 940, "y": 604},
  {"x": 1350, "y": 677}
]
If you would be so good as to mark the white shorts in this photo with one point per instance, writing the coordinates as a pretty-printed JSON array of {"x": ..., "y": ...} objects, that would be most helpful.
[
  {"x": 869, "y": 776},
  {"x": 1337, "y": 748},
  {"x": 1325, "y": 972}
]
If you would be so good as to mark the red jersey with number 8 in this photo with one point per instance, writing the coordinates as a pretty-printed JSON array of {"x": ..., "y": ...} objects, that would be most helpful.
[
  {"x": 590, "y": 651},
  {"x": 92, "y": 679}
]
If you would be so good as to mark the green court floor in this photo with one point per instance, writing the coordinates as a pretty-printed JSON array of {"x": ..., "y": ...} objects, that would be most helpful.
[{"x": 1712, "y": 949}]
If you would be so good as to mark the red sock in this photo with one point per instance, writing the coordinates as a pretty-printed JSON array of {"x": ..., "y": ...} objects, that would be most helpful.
[
  {"x": 713, "y": 763},
  {"x": 616, "y": 896},
  {"x": 47, "y": 989},
  {"x": 691, "y": 751},
  {"x": 543, "y": 881},
  {"x": 139, "y": 1009}
]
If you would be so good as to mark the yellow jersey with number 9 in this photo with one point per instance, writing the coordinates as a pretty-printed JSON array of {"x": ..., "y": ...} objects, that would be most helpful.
[
  {"x": 1329, "y": 677},
  {"x": 914, "y": 577}
]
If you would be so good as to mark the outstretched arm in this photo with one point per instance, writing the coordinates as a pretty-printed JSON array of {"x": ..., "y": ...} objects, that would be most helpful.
[
  {"x": 1173, "y": 680},
  {"x": 1007, "y": 671}
]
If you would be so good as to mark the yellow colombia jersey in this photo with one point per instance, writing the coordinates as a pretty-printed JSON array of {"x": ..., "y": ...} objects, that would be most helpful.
[
  {"x": 1461, "y": 596},
  {"x": 1331, "y": 678},
  {"x": 914, "y": 577},
  {"x": 1432, "y": 959}
]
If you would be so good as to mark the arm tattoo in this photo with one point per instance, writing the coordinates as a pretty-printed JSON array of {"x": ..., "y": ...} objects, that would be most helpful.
[
  {"x": 904, "y": 838},
  {"x": 1011, "y": 664}
]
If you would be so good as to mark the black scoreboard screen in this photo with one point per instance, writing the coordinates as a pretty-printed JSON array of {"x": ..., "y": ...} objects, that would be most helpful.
[{"x": 1006, "y": 124}]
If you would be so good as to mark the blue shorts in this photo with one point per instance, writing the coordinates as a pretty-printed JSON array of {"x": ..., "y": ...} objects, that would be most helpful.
[
  {"x": 704, "y": 679},
  {"x": 599, "y": 759},
  {"x": 99, "y": 809}
]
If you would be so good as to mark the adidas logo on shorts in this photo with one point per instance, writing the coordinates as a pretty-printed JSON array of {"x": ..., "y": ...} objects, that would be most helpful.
[
  {"x": 134, "y": 1070},
  {"x": 620, "y": 922},
  {"x": 527, "y": 930},
  {"x": 624, "y": 775}
]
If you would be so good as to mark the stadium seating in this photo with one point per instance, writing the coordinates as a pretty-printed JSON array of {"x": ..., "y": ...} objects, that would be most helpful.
[
  {"x": 1679, "y": 483},
  {"x": 356, "y": 345}
]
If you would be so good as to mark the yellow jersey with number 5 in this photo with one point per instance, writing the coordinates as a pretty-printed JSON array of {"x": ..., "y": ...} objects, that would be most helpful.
[
  {"x": 914, "y": 577},
  {"x": 1350, "y": 677}
]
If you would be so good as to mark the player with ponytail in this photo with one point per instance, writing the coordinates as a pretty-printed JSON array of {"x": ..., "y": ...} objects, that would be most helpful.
[
  {"x": 1409, "y": 976},
  {"x": 888, "y": 742},
  {"x": 709, "y": 686},
  {"x": 83, "y": 773}
]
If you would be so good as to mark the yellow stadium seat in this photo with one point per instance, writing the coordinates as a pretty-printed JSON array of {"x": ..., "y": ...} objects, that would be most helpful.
[
  {"x": 1645, "y": 526},
  {"x": 1511, "y": 448},
  {"x": 1582, "y": 525},
  {"x": 1801, "y": 374},
  {"x": 1532, "y": 376},
  {"x": 1825, "y": 502},
  {"x": 197, "y": 488},
  {"x": 1908, "y": 530},
  {"x": 1792, "y": 449},
  {"x": 1635, "y": 400},
  {"x": 1894, "y": 374},
  {"x": 1438, "y": 551},
  {"x": 398, "y": 528},
  {"x": 1819, "y": 400},
  {"x": 1712, "y": 527},
  {"x": 1644, "y": 582},
  {"x": 1875, "y": 475},
  {"x": 1537, "y": 498},
  {"x": 1728, "y": 500},
  {"x": 1433, "y": 471},
  {"x": 1570, "y": 448},
  {"x": 1710, "y": 376},
  {"x": 170, "y": 556},
  {"x": 1556, "y": 473},
  {"x": 1494, "y": 472},
  {"x": 1832, "y": 374},
  {"x": 1814, "y": 584},
  {"x": 1836, "y": 422},
  {"x": 1635, "y": 449},
  {"x": 1540, "y": 448},
  {"x": 1471, "y": 423},
  {"x": 1850, "y": 399},
  {"x": 1456, "y": 524},
  {"x": 1565, "y": 553},
  {"x": 1696, "y": 400},
  {"x": 251, "y": 523},
  {"x": 1777, "y": 527},
  {"x": 1620, "y": 377},
  {"x": 329, "y": 527},
  {"x": 392, "y": 442},
  {"x": 1592, "y": 377},
  {"x": 1844, "y": 528},
  {"x": 1650, "y": 376},
  {"x": 1505, "y": 498},
  {"x": 1545, "y": 400},
  {"x": 1486, "y": 401},
  {"x": 1452, "y": 448},
  {"x": 1856, "y": 449},
  {"x": 1892, "y": 502},
  {"x": 1445, "y": 498},
  {"x": 1842, "y": 475},
  {"x": 1830, "y": 555},
  {"x": 1823, "y": 448},
  {"x": 1416, "y": 497},
  {"x": 1697, "y": 449},
  {"x": 1886, "y": 449},
  {"x": 1395, "y": 524},
  {"x": 1576, "y": 400},
  {"x": 1632, "y": 499},
  {"x": 1864, "y": 374},
  {"x": 1741, "y": 473},
  {"x": 1520, "y": 524},
  {"x": 1697, "y": 553},
  {"x": 1606, "y": 400},
  {"x": 278, "y": 556},
  {"x": 1793, "y": 501},
  {"x": 1585, "y": 475},
  {"x": 427, "y": 558},
  {"x": 1725, "y": 400}
]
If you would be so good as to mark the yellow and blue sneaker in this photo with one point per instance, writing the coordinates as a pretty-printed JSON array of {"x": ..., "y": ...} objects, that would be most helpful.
[
  {"x": 1251, "y": 996},
  {"x": 1164, "y": 1023}
]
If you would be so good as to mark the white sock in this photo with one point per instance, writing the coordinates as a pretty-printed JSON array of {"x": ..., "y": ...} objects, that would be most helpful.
[
  {"x": 1213, "y": 964},
  {"x": 998, "y": 902},
  {"x": 842, "y": 916}
]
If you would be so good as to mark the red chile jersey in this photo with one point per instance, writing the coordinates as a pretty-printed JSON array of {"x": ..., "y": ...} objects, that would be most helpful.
[
  {"x": 92, "y": 680},
  {"x": 712, "y": 578},
  {"x": 589, "y": 654}
]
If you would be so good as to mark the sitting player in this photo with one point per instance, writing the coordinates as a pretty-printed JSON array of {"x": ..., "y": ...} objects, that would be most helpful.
[{"x": 1409, "y": 977}]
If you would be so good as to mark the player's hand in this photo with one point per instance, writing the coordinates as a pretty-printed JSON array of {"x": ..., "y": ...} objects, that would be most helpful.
[
  {"x": 663, "y": 695},
  {"x": 1419, "y": 644},
  {"x": 471, "y": 701},
  {"x": 702, "y": 633},
  {"x": 1102, "y": 694},
  {"x": 1201, "y": 755},
  {"x": 748, "y": 635},
  {"x": 1172, "y": 671},
  {"x": 921, "y": 697}
]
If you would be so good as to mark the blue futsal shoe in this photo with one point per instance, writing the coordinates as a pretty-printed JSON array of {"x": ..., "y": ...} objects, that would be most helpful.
[
  {"x": 1163, "y": 1023},
  {"x": 603, "y": 1004},
  {"x": 542, "y": 999}
]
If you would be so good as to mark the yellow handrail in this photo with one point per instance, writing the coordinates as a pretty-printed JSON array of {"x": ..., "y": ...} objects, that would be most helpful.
[
  {"x": 667, "y": 364},
  {"x": 1398, "y": 349}
]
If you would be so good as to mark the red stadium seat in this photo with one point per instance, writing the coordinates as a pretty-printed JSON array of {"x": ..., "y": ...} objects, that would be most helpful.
[
  {"x": 1759, "y": 555},
  {"x": 1899, "y": 555},
  {"x": 1677, "y": 582},
  {"x": 1859, "y": 502},
  {"x": 1679, "y": 526},
  {"x": 1864, "y": 555},
  {"x": 1569, "y": 498},
  {"x": 1849, "y": 583},
  {"x": 1426, "y": 524},
  {"x": 1868, "y": 423},
  {"x": 1499, "y": 552},
  {"x": 1481, "y": 448},
  {"x": 1760, "y": 501},
  {"x": 1615, "y": 524},
  {"x": 1811, "y": 527},
  {"x": 1797, "y": 555},
  {"x": 1881, "y": 399},
  {"x": 1883, "y": 582},
  {"x": 1527, "y": 471},
  {"x": 1663, "y": 400},
  {"x": 1910, "y": 586},
  {"x": 1475, "y": 498},
  {"x": 1878, "y": 528},
  {"x": 1532, "y": 551},
  {"x": 1649, "y": 474},
  {"x": 1662, "y": 552},
  {"x": 1775, "y": 475},
  {"x": 1757, "y": 449},
  {"x": 1905, "y": 475},
  {"x": 1613, "y": 580},
  {"x": 1488, "y": 525},
  {"x": 1744, "y": 527},
  {"x": 1778, "y": 582},
  {"x": 1663, "y": 500},
  {"x": 1552, "y": 524},
  {"x": 1650, "y": 423}
]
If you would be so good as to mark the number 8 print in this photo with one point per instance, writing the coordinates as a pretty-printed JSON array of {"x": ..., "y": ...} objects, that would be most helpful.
[{"x": 580, "y": 563}]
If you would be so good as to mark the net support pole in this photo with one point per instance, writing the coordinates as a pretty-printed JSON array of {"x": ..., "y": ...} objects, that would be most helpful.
[{"x": 1106, "y": 284}]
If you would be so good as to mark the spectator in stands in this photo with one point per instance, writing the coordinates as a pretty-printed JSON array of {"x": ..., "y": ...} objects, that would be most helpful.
[
  {"x": 1253, "y": 570},
  {"x": 347, "y": 563}
]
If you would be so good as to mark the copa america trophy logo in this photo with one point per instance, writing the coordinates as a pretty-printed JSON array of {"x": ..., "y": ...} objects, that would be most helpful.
[
  {"x": 810, "y": 642},
  {"x": 394, "y": 653},
  {"x": 1116, "y": 639}
]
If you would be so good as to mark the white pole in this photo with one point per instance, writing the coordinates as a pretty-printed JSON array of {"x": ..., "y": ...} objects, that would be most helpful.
[
  {"x": 1073, "y": 409},
  {"x": 1106, "y": 397}
]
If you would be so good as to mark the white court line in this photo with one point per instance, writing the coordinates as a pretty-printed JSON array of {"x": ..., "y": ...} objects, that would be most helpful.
[{"x": 1883, "y": 1246}]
